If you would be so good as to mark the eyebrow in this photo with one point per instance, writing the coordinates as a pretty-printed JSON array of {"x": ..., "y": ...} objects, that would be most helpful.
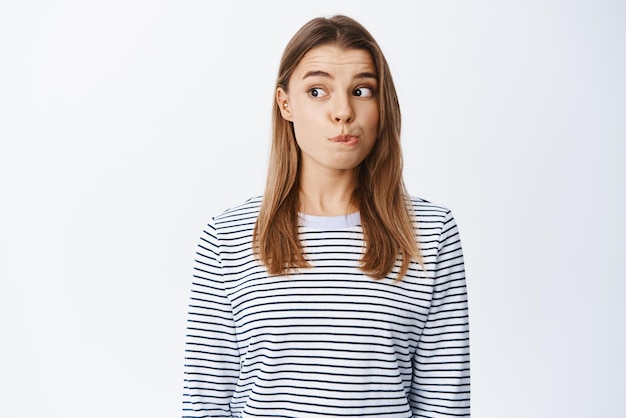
[{"x": 320, "y": 73}]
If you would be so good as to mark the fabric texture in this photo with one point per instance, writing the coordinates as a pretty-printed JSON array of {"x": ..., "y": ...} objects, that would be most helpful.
[{"x": 327, "y": 341}]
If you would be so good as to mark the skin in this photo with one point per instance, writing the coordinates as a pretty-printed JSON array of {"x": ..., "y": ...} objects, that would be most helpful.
[{"x": 332, "y": 102}]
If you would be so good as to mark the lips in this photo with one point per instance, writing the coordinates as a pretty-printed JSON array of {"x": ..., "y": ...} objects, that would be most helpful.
[{"x": 345, "y": 139}]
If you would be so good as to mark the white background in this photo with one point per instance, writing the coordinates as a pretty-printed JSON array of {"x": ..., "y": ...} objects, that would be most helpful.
[{"x": 125, "y": 125}]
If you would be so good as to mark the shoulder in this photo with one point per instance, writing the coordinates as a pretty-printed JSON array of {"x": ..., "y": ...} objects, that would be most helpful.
[
  {"x": 424, "y": 209},
  {"x": 435, "y": 226},
  {"x": 240, "y": 217},
  {"x": 433, "y": 218}
]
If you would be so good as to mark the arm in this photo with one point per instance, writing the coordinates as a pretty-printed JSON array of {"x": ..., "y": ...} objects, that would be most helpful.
[
  {"x": 211, "y": 353},
  {"x": 441, "y": 373}
]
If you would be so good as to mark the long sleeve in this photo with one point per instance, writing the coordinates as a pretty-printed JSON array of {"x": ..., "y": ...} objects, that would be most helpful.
[
  {"x": 211, "y": 352},
  {"x": 441, "y": 373}
]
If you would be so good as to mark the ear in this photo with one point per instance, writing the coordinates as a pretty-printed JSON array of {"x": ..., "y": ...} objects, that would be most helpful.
[{"x": 282, "y": 99}]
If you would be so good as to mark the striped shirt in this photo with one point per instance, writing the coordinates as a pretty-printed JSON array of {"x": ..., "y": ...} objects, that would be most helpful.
[{"x": 327, "y": 341}]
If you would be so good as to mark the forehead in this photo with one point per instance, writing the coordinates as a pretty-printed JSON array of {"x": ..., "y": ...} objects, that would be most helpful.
[{"x": 333, "y": 57}]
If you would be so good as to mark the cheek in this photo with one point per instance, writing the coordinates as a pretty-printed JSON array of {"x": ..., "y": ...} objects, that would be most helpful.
[
  {"x": 303, "y": 116},
  {"x": 372, "y": 118}
]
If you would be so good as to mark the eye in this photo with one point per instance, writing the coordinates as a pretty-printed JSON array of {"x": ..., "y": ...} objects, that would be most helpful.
[
  {"x": 317, "y": 92},
  {"x": 363, "y": 92}
]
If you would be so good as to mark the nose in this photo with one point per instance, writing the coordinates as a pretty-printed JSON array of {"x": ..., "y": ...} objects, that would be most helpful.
[{"x": 342, "y": 111}]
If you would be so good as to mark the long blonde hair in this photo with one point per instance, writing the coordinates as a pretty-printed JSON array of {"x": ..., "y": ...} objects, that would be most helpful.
[{"x": 380, "y": 193}]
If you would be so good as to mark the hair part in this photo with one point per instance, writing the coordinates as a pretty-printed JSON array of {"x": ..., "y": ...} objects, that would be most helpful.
[{"x": 380, "y": 193}]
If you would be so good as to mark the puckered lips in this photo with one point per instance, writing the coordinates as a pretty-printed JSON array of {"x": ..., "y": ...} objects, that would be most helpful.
[{"x": 345, "y": 139}]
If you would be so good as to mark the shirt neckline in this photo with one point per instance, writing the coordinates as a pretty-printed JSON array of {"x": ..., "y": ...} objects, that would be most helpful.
[{"x": 329, "y": 222}]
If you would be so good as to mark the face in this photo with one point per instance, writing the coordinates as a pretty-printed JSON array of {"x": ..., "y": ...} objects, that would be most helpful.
[{"x": 332, "y": 101}]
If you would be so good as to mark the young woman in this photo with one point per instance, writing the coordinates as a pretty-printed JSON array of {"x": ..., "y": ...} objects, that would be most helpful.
[{"x": 335, "y": 294}]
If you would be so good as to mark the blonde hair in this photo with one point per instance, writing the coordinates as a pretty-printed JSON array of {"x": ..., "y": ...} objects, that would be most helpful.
[{"x": 380, "y": 193}]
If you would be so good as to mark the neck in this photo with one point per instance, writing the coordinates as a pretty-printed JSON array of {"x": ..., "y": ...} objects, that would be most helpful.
[{"x": 327, "y": 196}]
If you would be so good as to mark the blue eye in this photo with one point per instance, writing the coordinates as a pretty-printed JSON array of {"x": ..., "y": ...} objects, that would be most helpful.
[
  {"x": 317, "y": 92},
  {"x": 363, "y": 92}
]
